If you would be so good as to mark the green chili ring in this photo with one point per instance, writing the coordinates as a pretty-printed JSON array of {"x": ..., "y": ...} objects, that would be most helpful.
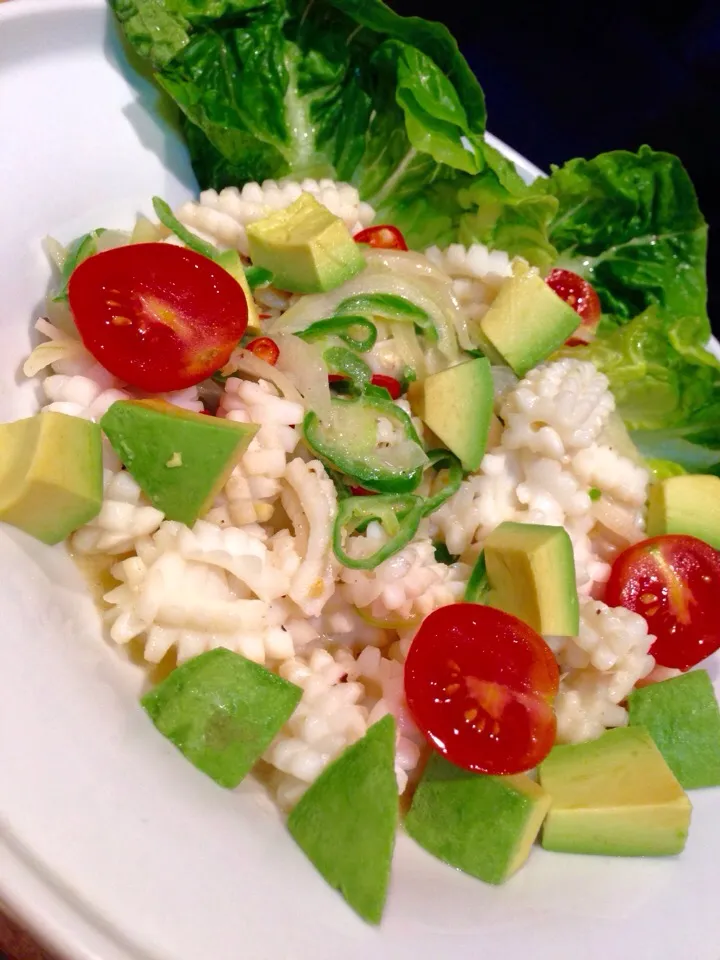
[
  {"x": 390, "y": 307},
  {"x": 340, "y": 327},
  {"x": 365, "y": 466},
  {"x": 443, "y": 459},
  {"x": 342, "y": 361},
  {"x": 400, "y": 517}
]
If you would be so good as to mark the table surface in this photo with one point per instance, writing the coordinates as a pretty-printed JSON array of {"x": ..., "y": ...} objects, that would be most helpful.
[{"x": 15, "y": 944}]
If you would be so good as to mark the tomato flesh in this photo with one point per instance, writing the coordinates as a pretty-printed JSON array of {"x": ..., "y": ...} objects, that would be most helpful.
[
  {"x": 383, "y": 237},
  {"x": 480, "y": 685},
  {"x": 157, "y": 316},
  {"x": 266, "y": 349},
  {"x": 581, "y": 296},
  {"x": 673, "y": 581},
  {"x": 389, "y": 383}
]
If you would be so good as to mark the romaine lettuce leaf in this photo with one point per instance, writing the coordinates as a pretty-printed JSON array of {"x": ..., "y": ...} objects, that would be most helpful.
[
  {"x": 630, "y": 223},
  {"x": 667, "y": 387},
  {"x": 339, "y": 88}
]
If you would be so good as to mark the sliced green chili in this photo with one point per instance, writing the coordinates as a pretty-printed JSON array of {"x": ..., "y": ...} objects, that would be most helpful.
[
  {"x": 478, "y": 586},
  {"x": 388, "y": 306},
  {"x": 168, "y": 219},
  {"x": 341, "y": 326},
  {"x": 444, "y": 460},
  {"x": 400, "y": 517},
  {"x": 382, "y": 393},
  {"x": 348, "y": 442},
  {"x": 79, "y": 250},
  {"x": 343, "y": 361},
  {"x": 257, "y": 277},
  {"x": 407, "y": 377}
]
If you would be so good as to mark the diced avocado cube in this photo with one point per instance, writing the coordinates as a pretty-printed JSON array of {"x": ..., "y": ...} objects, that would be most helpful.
[
  {"x": 181, "y": 460},
  {"x": 682, "y": 717},
  {"x": 526, "y": 322},
  {"x": 230, "y": 261},
  {"x": 51, "y": 479},
  {"x": 306, "y": 248},
  {"x": 346, "y": 821},
  {"x": 221, "y": 711},
  {"x": 457, "y": 405},
  {"x": 614, "y": 796},
  {"x": 483, "y": 825},
  {"x": 531, "y": 571},
  {"x": 686, "y": 504}
]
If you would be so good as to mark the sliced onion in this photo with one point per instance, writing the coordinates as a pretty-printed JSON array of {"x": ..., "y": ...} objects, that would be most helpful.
[
  {"x": 145, "y": 231},
  {"x": 51, "y": 352},
  {"x": 109, "y": 239},
  {"x": 59, "y": 314},
  {"x": 56, "y": 252},
  {"x": 242, "y": 361},
  {"x": 405, "y": 455},
  {"x": 408, "y": 347},
  {"x": 303, "y": 364},
  {"x": 407, "y": 262}
]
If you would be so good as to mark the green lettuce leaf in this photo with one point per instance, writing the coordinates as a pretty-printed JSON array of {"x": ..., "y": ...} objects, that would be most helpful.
[
  {"x": 667, "y": 387},
  {"x": 630, "y": 223},
  {"x": 345, "y": 89}
]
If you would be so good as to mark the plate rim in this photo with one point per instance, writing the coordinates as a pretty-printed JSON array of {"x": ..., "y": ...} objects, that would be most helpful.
[{"x": 28, "y": 891}]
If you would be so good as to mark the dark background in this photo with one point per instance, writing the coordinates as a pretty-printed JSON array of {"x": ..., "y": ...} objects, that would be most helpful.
[{"x": 565, "y": 81}]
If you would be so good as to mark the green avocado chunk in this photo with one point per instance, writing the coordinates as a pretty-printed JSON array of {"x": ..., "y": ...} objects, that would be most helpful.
[
  {"x": 305, "y": 247},
  {"x": 483, "y": 825},
  {"x": 526, "y": 322},
  {"x": 531, "y": 571},
  {"x": 682, "y": 717},
  {"x": 346, "y": 821},
  {"x": 614, "y": 796},
  {"x": 686, "y": 504},
  {"x": 221, "y": 711},
  {"x": 180, "y": 460},
  {"x": 230, "y": 261},
  {"x": 457, "y": 405},
  {"x": 51, "y": 479}
]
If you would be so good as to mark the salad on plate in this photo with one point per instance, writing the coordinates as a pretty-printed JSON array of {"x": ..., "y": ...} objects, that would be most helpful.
[{"x": 398, "y": 471}]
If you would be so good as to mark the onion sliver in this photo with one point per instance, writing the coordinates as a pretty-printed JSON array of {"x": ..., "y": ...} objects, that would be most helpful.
[
  {"x": 303, "y": 363},
  {"x": 242, "y": 361}
]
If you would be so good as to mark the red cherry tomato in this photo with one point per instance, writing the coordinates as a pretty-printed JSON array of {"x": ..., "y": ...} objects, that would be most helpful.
[
  {"x": 157, "y": 316},
  {"x": 480, "y": 685},
  {"x": 674, "y": 582},
  {"x": 266, "y": 349},
  {"x": 384, "y": 237},
  {"x": 389, "y": 383},
  {"x": 577, "y": 293}
]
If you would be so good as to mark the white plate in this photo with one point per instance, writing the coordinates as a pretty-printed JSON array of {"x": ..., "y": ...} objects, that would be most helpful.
[{"x": 112, "y": 846}]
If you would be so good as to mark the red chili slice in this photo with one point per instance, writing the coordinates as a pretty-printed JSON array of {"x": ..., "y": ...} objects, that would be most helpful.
[{"x": 384, "y": 237}]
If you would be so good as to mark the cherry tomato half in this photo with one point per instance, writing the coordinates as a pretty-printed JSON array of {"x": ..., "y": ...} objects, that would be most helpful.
[
  {"x": 480, "y": 685},
  {"x": 384, "y": 237},
  {"x": 266, "y": 349},
  {"x": 157, "y": 316},
  {"x": 389, "y": 383},
  {"x": 577, "y": 293},
  {"x": 674, "y": 582}
]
